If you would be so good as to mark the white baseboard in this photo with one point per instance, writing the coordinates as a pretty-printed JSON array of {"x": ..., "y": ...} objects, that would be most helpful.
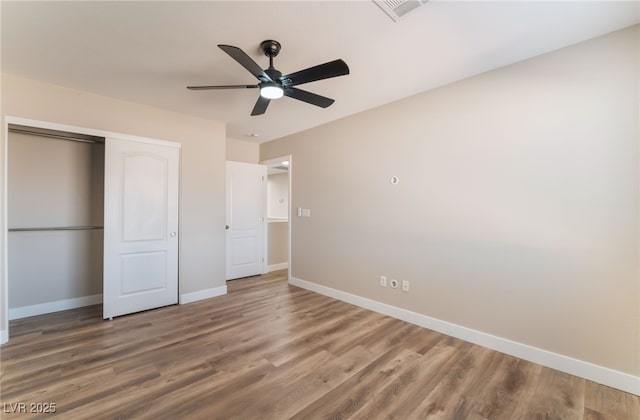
[
  {"x": 600, "y": 374},
  {"x": 276, "y": 267},
  {"x": 63, "y": 305},
  {"x": 4, "y": 337},
  {"x": 203, "y": 294},
  {"x": 58, "y": 305}
]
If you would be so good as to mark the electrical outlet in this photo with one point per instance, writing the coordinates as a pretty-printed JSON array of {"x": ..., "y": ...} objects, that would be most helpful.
[
  {"x": 405, "y": 285},
  {"x": 383, "y": 281},
  {"x": 393, "y": 283}
]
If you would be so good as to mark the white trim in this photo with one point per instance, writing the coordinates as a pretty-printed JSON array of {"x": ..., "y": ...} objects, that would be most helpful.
[
  {"x": 276, "y": 267},
  {"x": 58, "y": 305},
  {"x": 203, "y": 294},
  {"x": 603, "y": 375},
  {"x": 88, "y": 131},
  {"x": 4, "y": 223}
]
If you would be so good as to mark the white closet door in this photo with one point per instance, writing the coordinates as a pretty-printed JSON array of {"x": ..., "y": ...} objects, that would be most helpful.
[
  {"x": 246, "y": 213},
  {"x": 140, "y": 226}
]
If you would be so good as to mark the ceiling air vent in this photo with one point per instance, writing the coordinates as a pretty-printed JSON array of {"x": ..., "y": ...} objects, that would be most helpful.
[{"x": 397, "y": 9}]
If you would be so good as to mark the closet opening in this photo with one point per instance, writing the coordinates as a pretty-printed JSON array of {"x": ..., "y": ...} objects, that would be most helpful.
[
  {"x": 55, "y": 194},
  {"x": 91, "y": 217}
]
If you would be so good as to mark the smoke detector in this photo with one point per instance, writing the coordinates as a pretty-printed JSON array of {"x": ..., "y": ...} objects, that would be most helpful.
[{"x": 397, "y": 9}]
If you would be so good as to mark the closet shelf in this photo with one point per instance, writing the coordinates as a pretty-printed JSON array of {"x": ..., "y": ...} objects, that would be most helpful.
[{"x": 54, "y": 228}]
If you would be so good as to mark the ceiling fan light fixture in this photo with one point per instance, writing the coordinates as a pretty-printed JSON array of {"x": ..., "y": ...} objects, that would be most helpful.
[
  {"x": 271, "y": 91},
  {"x": 273, "y": 84}
]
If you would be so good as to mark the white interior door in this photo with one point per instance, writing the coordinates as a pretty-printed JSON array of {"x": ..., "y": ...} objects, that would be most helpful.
[
  {"x": 246, "y": 214},
  {"x": 140, "y": 226}
]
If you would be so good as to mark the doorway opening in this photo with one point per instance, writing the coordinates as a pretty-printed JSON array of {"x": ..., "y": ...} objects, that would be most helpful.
[{"x": 278, "y": 241}]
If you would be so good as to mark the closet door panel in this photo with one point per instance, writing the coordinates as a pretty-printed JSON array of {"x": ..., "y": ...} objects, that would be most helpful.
[
  {"x": 145, "y": 195},
  {"x": 143, "y": 272},
  {"x": 140, "y": 227}
]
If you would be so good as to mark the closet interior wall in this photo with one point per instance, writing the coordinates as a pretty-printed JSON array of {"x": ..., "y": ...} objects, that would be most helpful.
[{"x": 55, "y": 218}]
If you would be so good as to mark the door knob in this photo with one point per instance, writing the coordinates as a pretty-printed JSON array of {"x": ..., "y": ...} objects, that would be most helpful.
[
  {"x": 173, "y": 234},
  {"x": 226, "y": 227}
]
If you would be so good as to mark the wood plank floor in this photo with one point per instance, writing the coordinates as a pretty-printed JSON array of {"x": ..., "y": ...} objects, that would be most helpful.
[{"x": 268, "y": 350}]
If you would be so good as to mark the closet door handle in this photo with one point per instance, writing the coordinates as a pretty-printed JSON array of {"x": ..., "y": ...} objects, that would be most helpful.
[{"x": 173, "y": 234}]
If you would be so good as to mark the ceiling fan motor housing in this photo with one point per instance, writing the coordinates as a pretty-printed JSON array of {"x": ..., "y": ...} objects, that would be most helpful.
[
  {"x": 270, "y": 48},
  {"x": 273, "y": 74}
]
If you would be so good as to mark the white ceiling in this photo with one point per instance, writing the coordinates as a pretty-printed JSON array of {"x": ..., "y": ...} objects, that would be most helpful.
[{"x": 148, "y": 52}]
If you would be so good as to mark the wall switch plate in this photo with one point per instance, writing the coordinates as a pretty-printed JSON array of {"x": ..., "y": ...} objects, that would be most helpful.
[
  {"x": 299, "y": 211},
  {"x": 383, "y": 281},
  {"x": 405, "y": 285},
  {"x": 306, "y": 212}
]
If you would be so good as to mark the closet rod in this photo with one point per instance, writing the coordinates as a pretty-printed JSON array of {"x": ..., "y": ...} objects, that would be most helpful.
[
  {"x": 55, "y": 228},
  {"x": 53, "y": 136}
]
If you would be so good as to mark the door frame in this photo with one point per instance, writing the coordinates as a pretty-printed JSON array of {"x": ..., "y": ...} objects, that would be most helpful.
[
  {"x": 4, "y": 275},
  {"x": 272, "y": 161}
]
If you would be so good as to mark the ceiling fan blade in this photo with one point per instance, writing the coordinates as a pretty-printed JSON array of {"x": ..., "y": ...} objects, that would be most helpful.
[
  {"x": 308, "y": 97},
  {"x": 222, "y": 87},
  {"x": 260, "y": 106},
  {"x": 246, "y": 62},
  {"x": 322, "y": 71}
]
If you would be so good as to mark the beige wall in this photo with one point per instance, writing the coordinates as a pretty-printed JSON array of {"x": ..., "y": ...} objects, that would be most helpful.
[
  {"x": 242, "y": 151},
  {"x": 278, "y": 243},
  {"x": 202, "y": 177},
  {"x": 517, "y": 208},
  {"x": 278, "y": 195},
  {"x": 278, "y": 208}
]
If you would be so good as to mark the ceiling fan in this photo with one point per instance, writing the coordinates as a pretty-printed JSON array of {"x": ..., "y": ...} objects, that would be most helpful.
[{"x": 273, "y": 84}]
